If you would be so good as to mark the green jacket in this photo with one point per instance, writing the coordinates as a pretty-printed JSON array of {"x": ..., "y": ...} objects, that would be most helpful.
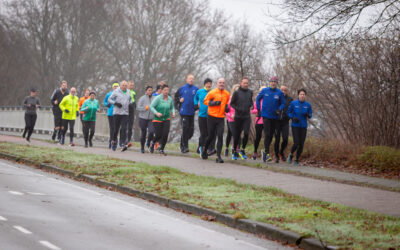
[
  {"x": 160, "y": 105},
  {"x": 90, "y": 108},
  {"x": 69, "y": 103},
  {"x": 133, "y": 94}
]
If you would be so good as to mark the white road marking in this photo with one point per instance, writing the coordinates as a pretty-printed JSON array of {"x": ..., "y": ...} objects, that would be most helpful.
[
  {"x": 15, "y": 193},
  {"x": 22, "y": 230},
  {"x": 49, "y": 245},
  {"x": 33, "y": 193},
  {"x": 19, "y": 168},
  {"x": 3, "y": 218}
]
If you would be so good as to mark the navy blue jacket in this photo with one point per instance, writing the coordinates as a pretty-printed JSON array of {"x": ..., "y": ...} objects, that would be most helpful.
[
  {"x": 273, "y": 100},
  {"x": 188, "y": 92},
  {"x": 299, "y": 110}
]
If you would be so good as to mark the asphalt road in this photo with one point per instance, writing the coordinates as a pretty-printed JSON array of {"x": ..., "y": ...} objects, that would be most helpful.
[{"x": 39, "y": 210}]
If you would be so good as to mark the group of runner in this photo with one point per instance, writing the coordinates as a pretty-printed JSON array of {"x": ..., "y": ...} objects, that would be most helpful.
[{"x": 272, "y": 106}]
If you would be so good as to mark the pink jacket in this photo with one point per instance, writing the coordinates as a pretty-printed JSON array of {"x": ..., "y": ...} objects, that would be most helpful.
[
  {"x": 230, "y": 115},
  {"x": 257, "y": 120}
]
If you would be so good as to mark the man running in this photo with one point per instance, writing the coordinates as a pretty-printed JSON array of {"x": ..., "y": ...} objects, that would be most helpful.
[
  {"x": 199, "y": 104},
  {"x": 121, "y": 98},
  {"x": 242, "y": 102},
  {"x": 271, "y": 109},
  {"x": 184, "y": 102},
  {"x": 110, "y": 115},
  {"x": 131, "y": 117},
  {"x": 163, "y": 108},
  {"x": 282, "y": 128},
  {"x": 55, "y": 100},
  {"x": 146, "y": 119},
  {"x": 31, "y": 103},
  {"x": 70, "y": 110},
  {"x": 216, "y": 100}
]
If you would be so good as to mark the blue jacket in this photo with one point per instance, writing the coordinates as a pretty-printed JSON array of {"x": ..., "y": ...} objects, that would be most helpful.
[
  {"x": 188, "y": 92},
  {"x": 199, "y": 98},
  {"x": 110, "y": 109},
  {"x": 299, "y": 110},
  {"x": 273, "y": 99}
]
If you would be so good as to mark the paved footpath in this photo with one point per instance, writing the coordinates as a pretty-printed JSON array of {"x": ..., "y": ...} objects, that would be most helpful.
[{"x": 380, "y": 201}]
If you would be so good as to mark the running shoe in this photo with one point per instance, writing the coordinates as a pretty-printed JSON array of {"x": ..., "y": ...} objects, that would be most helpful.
[
  {"x": 151, "y": 148},
  {"x": 219, "y": 160},
  {"x": 156, "y": 146},
  {"x": 235, "y": 156},
  {"x": 277, "y": 159},
  {"x": 162, "y": 152},
  {"x": 226, "y": 152},
  {"x": 200, "y": 151},
  {"x": 142, "y": 150},
  {"x": 211, "y": 151},
  {"x": 289, "y": 158},
  {"x": 242, "y": 154},
  {"x": 71, "y": 144},
  {"x": 296, "y": 162},
  {"x": 124, "y": 148},
  {"x": 204, "y": 155},
  {"x": 254, "y": 156},
  {"x": 114, "y": 146},
  {"x": 129, "y": 144},
  {"x": 53, "y": 136},
  {"x": 86, "y": 145},
  {"x": 90, "y": 143}
]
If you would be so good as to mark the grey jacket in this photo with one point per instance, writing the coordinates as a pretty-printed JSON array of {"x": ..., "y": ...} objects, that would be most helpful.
[
  {"x": 30, "y": 104},
  {"x": 118, "y": 96},
  {"x": 141, "y": 107}
]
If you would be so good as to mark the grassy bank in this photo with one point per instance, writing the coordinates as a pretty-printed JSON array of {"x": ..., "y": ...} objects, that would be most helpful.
[{"x": 335, "y": 224}]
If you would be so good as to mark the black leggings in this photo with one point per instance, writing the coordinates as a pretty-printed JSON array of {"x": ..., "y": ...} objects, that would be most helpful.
[
  {"x": 229, "y": 135},
  {"x": 283, "y": 128},
  {"x": 241, "y": 124},
  {"x": 71, "y": 124},
  {"x": 269, "y": 130},
  {"x": 187, "y": 122},
  {"x": 30, "y": 121},
  {"x": 162, "y": 132},
  {"x": 259, "y": 130},
  {"x": 299, "y": 137},
  {"x": 147, "y": 130},
  {"x": 203, "y": 131},
  {"x": 88, "y": 130},
  {"x": 120, "y": 123},
  {"x": 215, "y": 128},
  {"x": 111, "y": 125},
  {"x": 131, "y": 120}
]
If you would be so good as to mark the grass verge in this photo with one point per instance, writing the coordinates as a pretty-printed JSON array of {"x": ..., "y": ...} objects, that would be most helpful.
[{"x": 335, "y": 224}]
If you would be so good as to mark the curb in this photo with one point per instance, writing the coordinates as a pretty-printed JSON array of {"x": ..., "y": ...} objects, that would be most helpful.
[{"x": 259, "y": 228}]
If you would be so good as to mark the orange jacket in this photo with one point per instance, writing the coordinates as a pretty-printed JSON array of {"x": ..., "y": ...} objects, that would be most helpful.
[
  {"x": 217, "y": 95},
  {"x": 80, "y": 103}
]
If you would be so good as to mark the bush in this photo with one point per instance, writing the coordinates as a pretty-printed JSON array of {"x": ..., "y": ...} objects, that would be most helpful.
[{"x": 380, "y": 158}]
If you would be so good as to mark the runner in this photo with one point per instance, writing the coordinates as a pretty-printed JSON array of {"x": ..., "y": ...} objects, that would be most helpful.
[
  {"x": 121, "y": 98},
  {"x": 299, "y": 110},
  {"x": 283, "y": 128},
  {"x": 146, "y": 119},
  {"x": 131, "y": 118},
  {"x": 230, "y": 115},
  {"x": 110, "y": 115},
  {"x": 202, "y": 119},
  {"x": 55, "y": 100},
  {"x": 242, "y": 102},
  {"x": 81, "y": 101},
  {"x": 69, "y": 107},
  {"x": 162, "y": 107},
  {"x": 89, "y": 108},
  {"x": 216, "y": 100},
  {"x": 184, "y": 102},
  {"x": 271, "y": 109},
  {"x": 31, "y": 103},
  {"x": 258, "y": 121},
  {"x": 158, "y": 90}
]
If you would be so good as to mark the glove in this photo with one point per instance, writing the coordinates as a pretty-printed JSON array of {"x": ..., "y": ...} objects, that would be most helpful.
[
  {"x": 66, "y": 110},
  {"x": 109, "y": 105},
  {"x": 119, "y": 105},
  {"x": 214, "y": 103},
  {"x": 258, "y": 113},
  {"x": 196, "y": 107},
  {"x": 295, "y": 120},
  {"x": 226, "y": 109},
  {"x": 308, "y": 115},
  {"x": 77, "y": 113}
]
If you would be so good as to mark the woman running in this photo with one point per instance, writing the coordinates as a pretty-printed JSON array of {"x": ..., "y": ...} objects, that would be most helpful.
[
  {"x": 259, "y": 126},
  {"x": 163, "y": 108},
  {"x": 145, "y": 118},
  {"x": 230, "y": 122},
  {"x": 89, "y": 109},
  {"x": 299, "y": 111},
  {"x": 31, "y": 103}
]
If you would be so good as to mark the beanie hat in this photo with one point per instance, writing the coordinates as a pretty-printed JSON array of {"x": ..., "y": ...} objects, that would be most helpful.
[{"x": 115, "y": 84}]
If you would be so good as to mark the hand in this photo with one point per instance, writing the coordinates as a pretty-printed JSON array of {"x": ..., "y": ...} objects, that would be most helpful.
[
  {"x": 173, "y": 115},
  {"x": 278, "y": 112},
  {"x": 66, "y": 111},
  {"x": 147, "y": 107},
  {"x": 109, "y": 105},
  {"x": 226, "y": 108},
  {"x": 295, "y": 120},
  {"x": 182, "y": 99},
  {"x": 37, "y": 105},
  {"x": 55, "y": 102},
  {"x": 119, "y": 105},
  {"x": 233, "y": 116},
  {"x": 308, "y": 115},
  {"x": 196, "y": 107},
  {"x": 214, "y": 103},
  {"x": 77, "y": 113},
  {"x": 158, "y": 114}
]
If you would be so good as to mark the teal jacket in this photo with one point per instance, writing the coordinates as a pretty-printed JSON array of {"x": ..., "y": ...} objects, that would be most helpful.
[
  {"x": 90, "y": 108},
  {"x": 165, "y": 107}
]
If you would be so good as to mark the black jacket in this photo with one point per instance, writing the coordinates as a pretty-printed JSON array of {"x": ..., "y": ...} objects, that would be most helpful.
[
  {"x": 57, "y": 95},
  {"x": 242, "y": 102}
]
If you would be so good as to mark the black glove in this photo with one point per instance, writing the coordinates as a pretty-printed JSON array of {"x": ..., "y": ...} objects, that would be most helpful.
[
  {"x": 66, "y": 110},
  {"x": 196, "y": 107},
  {"x": 226, "y": 108},
  {"x": 109, "y": 105},
  {"x": 295, "y": 120},
  {"x": 308, "y": 115},
  {"x": 214, "y": 103},
  {"x": 77, "y": 113},
  {"x": 258, "y": 113},
  {"x": 119, "y": 105}
]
